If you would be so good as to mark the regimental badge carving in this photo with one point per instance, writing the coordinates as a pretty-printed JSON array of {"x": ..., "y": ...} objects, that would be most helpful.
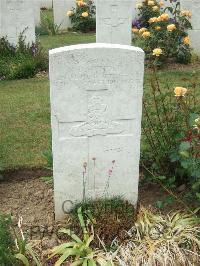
[{"x": 98, "y": 122}]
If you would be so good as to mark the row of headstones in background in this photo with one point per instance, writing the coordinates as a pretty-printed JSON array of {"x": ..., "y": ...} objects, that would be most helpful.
[{"x": 17, "y": 16}]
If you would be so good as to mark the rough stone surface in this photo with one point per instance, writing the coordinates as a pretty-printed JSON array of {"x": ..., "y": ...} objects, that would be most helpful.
[
  {"x": 17, "y": 16},
  {"x": 96, "y": 103},
  {"x": 113, "y": 21},
  {"x": 194, "y": 7},
  {"x": 60, "y": 8}
]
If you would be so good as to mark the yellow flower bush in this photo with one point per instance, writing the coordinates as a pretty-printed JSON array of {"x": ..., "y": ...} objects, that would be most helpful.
[
  {"x": 85, "y": 14},
  {"x": 146, "y": 34},
  {"x": 151, "y": 3},
  {"x": 155, "y": 8},
  {"x": 135, "y": 30},
  {"x": 142, "y": 30},
  {"x": 171, "y": 27},
  {"x": 180, "y": 91},
  {"x": 153, "y": 20},
  {"x": 81, "y": 3},
  {"x": 70, "y": 13},
  {"x": 167, "y": 27},
  {"x": 157, "y": 52},
  {"x": 164, "y": 17},
  {"x": 186, "y": 13},
  {"x": 186, "y": 40},
  {"x": 161, "y": 4}
]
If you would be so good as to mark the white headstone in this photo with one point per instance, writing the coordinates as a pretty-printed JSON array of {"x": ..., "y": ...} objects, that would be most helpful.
[
  {"x": 46, "y": 3},
  {"x": 96, "y": 103},
  {"x": 37, "y": 12},
  {"x": 17, "y": 16},
  {"x": 113, "y": 21},
  {"x": 194, "y": 34},
  {"x": 60, "y": 8}
]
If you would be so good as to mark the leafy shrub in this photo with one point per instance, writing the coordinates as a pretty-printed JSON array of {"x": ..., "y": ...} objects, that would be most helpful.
[
  {"x": 22, "y": 61},
  {"x": 78, "y": 249},
  {"x": 7, "y": 244},
  {"x": 171, "y": 133},
  {"x": 165, "y": 29},
  {"x": 47, "y": 27},
  {"x": 155, "y": 239},
  {"x": 83, "y": 16}
]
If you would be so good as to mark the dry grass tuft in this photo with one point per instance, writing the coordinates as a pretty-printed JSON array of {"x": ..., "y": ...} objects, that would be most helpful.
[{"x": 173, "y": 239}]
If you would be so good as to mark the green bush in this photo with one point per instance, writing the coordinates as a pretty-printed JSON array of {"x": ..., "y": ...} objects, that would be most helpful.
[
  {"x": 22, "y": 61},
  {"x": 164, "y": 28},
  {"x": 7, "y": 244},
  {"x": 171, "y": 134},
  {"x": 83, "y": 16}
]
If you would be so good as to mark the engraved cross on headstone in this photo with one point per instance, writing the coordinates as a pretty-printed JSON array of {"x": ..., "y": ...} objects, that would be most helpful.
[{"x": 115, "y": 19}]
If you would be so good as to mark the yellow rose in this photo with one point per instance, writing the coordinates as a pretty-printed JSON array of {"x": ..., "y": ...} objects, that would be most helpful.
[
  {"x": 157, "y": 52},
  {"x": 153, "y": 20},
  {"x": 164, "y": 17},
  {"x": 159, "y": 19},
  {"x": 186, "y": 13},
  {"x": 161, "y": 4},
  {"x": 135, "y": 30},
  {"x": 180, "y": 91},
  {"x": 151, "y": 3},
  {"x": 85, "y": 14},
  {"x": 140, "y": 5},
  {"x": 70, "y": 13},
  {"x": 81, "y": 3},
  {"x": 155, "y": 8},
  {"x": 157, "y": 28},
  {"x": 186, "y": 40},
  {"x": 171, "y": 27},
  {"x": 146, "y": 34},
  {"x": 142, "y": 30}
]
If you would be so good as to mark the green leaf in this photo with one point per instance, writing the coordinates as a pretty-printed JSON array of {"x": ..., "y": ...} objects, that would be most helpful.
[
  {"x": 31, "y": 252},
  {"x": 184, "y": 154},
  {"x": 91, "y": 262},
  {"x": 22, "y": 258},
  {"x": 66, "y": 254},
  {"x": 71, "y": 234},
  {"x": 184, "y": 146},
  {"x": 159, "y": 204},
  {"x": 60, "y": 249},
  {"x": 161, "y": 177},
  {"x": 77, "y": 263}
]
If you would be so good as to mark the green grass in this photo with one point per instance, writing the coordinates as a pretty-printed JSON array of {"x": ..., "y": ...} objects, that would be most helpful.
[
  {"x": 25, "y": 122},
  {"x": 69, "y": 38},
  {"x": 25, "y": 117},
  {"x": 62, "y": 39}
]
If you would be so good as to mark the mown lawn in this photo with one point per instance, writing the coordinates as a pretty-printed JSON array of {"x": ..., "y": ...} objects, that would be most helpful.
[
  {"x": 69, "y": 38},
  {"x": 25, "y": 116}
]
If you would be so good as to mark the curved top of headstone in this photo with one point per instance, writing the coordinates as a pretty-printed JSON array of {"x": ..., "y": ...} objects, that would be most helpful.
[{"x": 94, "y": 45}]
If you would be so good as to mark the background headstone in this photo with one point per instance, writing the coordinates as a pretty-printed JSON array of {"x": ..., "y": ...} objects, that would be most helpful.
[
  {"x": 114, "y": 21},
  {"x": 194, "y": 34},
  {"x": 96, "y": 122},
  {"x": 46, "y": 3},
  {"x": 60, "y": 8},
  {"x": 17, "y": 16},
  {"x": 37, "y": 12}
]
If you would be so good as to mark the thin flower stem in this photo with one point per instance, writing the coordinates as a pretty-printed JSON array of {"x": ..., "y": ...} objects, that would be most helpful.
[{"x": 168, "y": 190}]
